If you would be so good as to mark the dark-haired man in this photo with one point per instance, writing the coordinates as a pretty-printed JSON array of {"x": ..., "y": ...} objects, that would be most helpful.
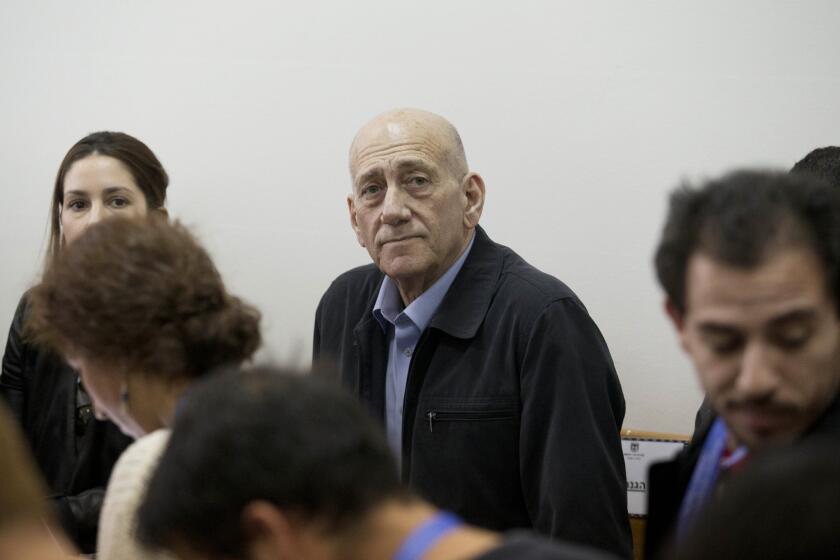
[
  {"x": 495, "y": 387},
  {"x": 823, "y": 163},
  {"x": 264, "y": 465},
  {"x": 750, "y": 264}
]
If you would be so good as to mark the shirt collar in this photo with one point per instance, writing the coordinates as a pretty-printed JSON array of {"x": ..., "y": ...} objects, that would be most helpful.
[{"x": 389, "y": 305}]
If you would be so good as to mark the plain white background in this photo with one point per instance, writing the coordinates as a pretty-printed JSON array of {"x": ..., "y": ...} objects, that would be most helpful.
[{"x": 581, "y": 116}]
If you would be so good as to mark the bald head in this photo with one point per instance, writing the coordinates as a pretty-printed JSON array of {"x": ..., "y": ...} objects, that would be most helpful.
[
  {"x": 414, "y": 203},
  {"x": 405, "y": 127}
]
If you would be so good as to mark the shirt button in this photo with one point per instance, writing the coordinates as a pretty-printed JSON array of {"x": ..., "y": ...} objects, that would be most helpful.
[{"x": 407, "y": 352}]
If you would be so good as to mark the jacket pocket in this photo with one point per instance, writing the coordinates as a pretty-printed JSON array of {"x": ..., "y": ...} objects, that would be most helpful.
[
  {"x": 465, "y": 457},
  {"x": 436, "y": 415}
]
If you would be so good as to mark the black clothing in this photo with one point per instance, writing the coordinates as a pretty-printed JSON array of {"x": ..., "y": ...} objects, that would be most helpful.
[
  {"x": 521, "y": 545},
  {"x": 701, "y": 419},
  {"x": 74, "y": 451},
  {"x": 668, "y": 480},
  {"x": 512, "y": 405}
]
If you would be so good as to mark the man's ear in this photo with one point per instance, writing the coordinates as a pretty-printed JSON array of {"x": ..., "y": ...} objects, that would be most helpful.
[
  {"x": 677, "y": 318},
  {"x": 268, "y": 532},
  {"x": 473, "y": 186},
  {"x": 351, "y": 207},
  {"x": 163, "y": 213},
  {"x": 673, "y": 313}
]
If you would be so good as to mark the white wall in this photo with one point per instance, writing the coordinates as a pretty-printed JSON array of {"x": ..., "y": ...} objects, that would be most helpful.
[{"x": 581, "y": 116}]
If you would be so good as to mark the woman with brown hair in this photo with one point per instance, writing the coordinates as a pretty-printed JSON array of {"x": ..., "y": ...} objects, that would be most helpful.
[
  {"x": 138, "y": 307},
  {"x": 104, "y": 174}
]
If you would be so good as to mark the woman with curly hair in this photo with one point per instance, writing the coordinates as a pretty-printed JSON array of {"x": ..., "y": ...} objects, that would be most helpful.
[{"x": 138, "y": 307}]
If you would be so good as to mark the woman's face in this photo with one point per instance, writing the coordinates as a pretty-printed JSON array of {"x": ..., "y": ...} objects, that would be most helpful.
[
  {"x": 104, "y": 385},
  {"x": 98, "y": 187}
]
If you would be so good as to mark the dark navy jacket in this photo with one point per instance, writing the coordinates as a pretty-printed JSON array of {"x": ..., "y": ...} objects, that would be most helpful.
[
  {"x": 512, "y": 407},
  {"x": 668, "y": 480}
]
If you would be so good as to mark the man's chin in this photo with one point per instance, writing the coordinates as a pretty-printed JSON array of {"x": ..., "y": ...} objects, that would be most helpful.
[
  {"x": 758, "y": 437},
  {"x": 402, "y": 268}
]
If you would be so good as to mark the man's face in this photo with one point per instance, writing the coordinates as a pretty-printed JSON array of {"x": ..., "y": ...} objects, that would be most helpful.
[
  {"x": 765, "y": 342},
  {"x": 408, "y": 207}
]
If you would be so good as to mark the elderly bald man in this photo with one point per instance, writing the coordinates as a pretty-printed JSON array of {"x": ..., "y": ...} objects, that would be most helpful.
[{"x": 495, "y": 387}]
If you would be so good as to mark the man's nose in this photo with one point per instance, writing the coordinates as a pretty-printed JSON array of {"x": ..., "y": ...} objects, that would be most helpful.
[
  {"x": 395, "y": 206},
  {"x": 757, "y": 378}
]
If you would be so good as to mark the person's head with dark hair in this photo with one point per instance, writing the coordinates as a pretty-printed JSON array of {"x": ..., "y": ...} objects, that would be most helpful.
[
  {"x": 138, "y": 307},
  {"x": 785, "y": 507},
  {"x": 823, "y": 163},
  {"x": 272, "y": 464},
  {"x": 103, "y": 174},
  {"x": 750, "y": 264},
  {"x": 266, "y": 437}
]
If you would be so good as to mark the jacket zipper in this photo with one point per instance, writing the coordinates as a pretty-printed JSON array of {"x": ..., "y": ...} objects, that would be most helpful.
[{"x": 466, "y": 415}]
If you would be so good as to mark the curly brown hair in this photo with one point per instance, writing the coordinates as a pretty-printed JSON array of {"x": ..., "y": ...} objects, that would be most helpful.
[{"x": 142, "y": 294}]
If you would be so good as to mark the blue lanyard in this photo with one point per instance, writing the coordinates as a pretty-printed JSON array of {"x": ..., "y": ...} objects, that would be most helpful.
[
  {"x": 426, "y": 535},
  {"x": 704, "y": 478}
]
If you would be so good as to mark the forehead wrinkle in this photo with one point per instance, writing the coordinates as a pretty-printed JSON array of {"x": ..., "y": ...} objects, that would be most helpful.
[
  {"x": 429, "y": 149},
  {"x": 755, "y": 314},
  {"x": 373, "y": 158},
  {"x": 794, "y": 316},
  {"x": 782, "y": 279},
  {"x": 778, "y": 301}
]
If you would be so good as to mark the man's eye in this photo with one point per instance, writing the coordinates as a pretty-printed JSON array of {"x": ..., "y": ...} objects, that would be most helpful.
[
  {"x": 793, "y": 337},
  {"x": 418, "y": 181},
  {"x": 723, "y": 344},
  {"x": 727, "y": 347},
  {"x": 791, "y": 343},
  {"x": 371, "y": 190}
]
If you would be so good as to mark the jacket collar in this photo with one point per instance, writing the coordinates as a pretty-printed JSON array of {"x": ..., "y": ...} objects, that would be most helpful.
[{"x": 466, "y": 303}]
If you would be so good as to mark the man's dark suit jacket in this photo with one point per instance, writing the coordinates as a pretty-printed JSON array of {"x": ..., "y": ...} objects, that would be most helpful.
[
  {"x": 668, "y": 480},
  {"x": 512, "y": 406}
]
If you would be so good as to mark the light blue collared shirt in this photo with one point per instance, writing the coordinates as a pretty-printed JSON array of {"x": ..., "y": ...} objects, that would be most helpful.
[{"x": 403, "y": 326}]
